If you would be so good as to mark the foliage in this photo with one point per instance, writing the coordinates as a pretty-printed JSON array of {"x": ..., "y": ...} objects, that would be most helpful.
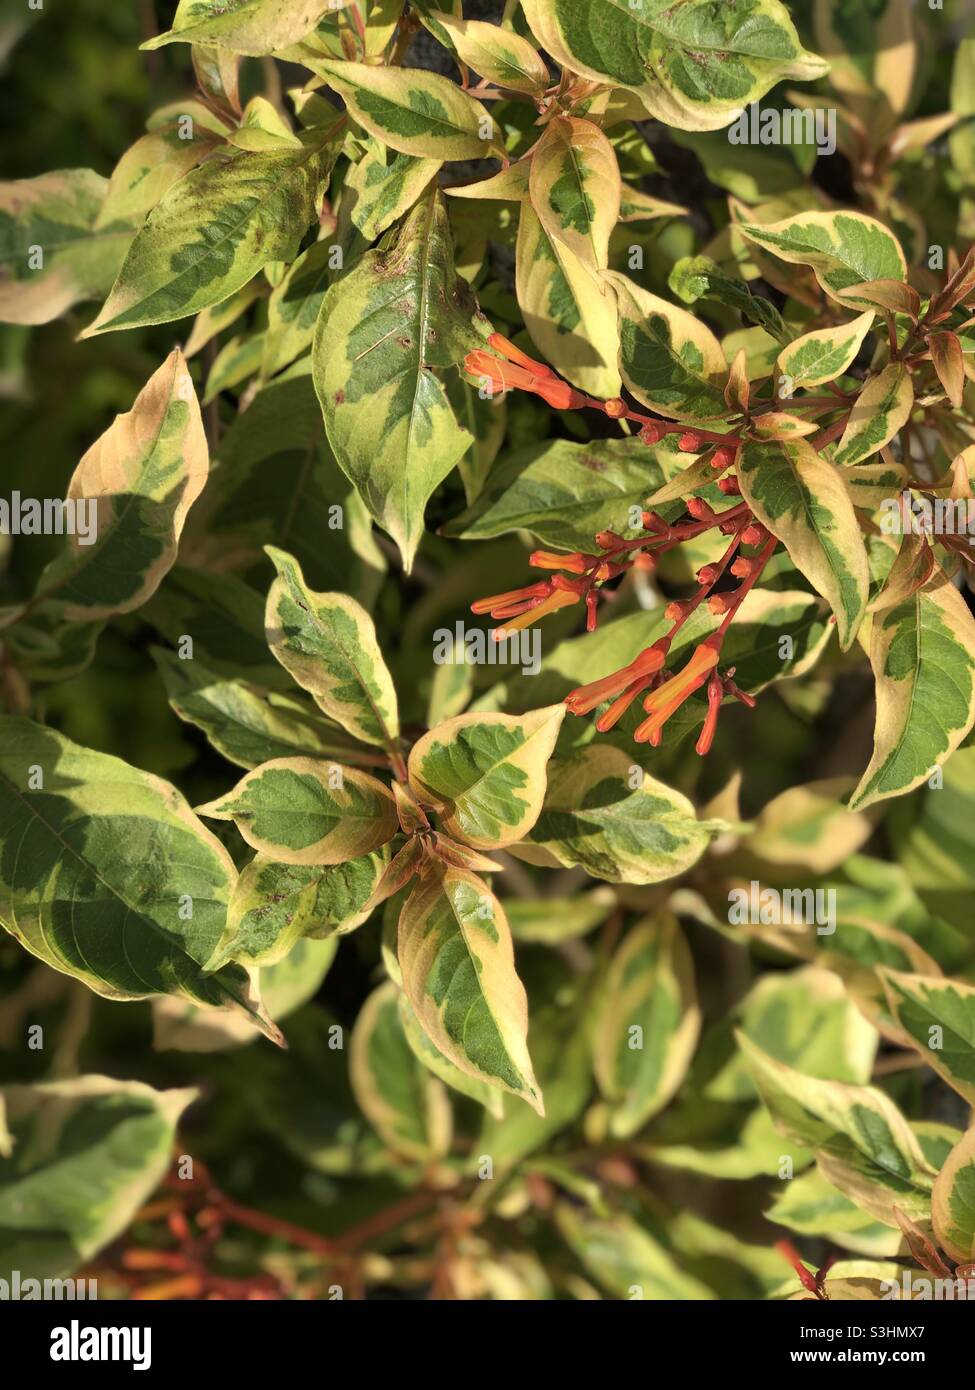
[{"x": 454, "y": 967}]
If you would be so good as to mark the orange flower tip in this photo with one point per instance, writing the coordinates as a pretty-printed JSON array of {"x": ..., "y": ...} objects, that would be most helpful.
[
  {"x": 651, "y": 434},
  {"x": 754, "y": 535},
  {"x": 514, "y": 354},
  {"x": 707, "y": 574},
  {"x": 742, "y": 568},
  {"x": 643, "y": 561},
  {"x": 689, "y": 443},
  {"x": 606, "y": 540},
  {"x": 699, "y": 509},
  {"x": 722, "y": 458},
  {"x": 615, "y": 408},
  {"x": 729, "y": 486},
  {"x": 674, "y": 611}
]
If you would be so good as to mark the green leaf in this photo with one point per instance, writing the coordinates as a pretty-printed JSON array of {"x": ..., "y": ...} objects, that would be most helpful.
[
  {"x": 862, "y": 1142},
  {"x": 697, "y": 277},
  {"x": 383, "y": 185},
  {"x": 276, "y": 905},
  {"x": 244, "y": 26},
  {"x": 412, "y": 111},
  {"x": 108, "y": 876},
  {"x": 300, "y": 811},
  {"x": 669, "y": 360},
  {"x": 434, "y": 1061},
  {"x": 563, "y": 493},
  {"x": 407, "y": 1107},
  {"x": 457, "y": 959},
  {"x": 573, "y": 325},
  {"x": 387, "y": 332},
  {"x": 625, "y": 1259},
  {"x": 938, "y": 1018},
  {"x": 648, "y": 1023},
  {"x": 575, "y": 188},
  {"x": 499, "y": 55},
  {"x": 596, "y": 817},
  {"x": 78, "y": 1158},
  {"x": 800, "y": 498},
  {"x": 53, "y": 255},
  {"x": 844, "y": 249},
  {"x": 216, "y": 228},
  {"x": 881, "y": 409},
  {"x": 149, "y": 168},
  {"x": 487, "y": 773},
  {"x": 922, "y": 651},
  {"x": 695, "y": 65},
  {"x": 825, "y": 354},
  {"x": 953, "y": 1201},
  {"x": 248, "y": 728},
  {"x": 136, "y": 484},
  {"x": 327, "y": 642}
]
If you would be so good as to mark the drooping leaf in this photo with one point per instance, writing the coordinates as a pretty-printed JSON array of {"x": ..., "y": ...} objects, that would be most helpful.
[
  {"x": 407, "y": 1106},
  {"x": 301, "y": 811},
  {"x": 487, "y": 771},
  {"x": 647, "y": 1025},
  {"x": 78, "y": 1158},
  {"x": 938, "y": 1017},
  {"x": 922, "y": 651},
  {"x": 499, "y": 55},
  {"x": 800, "y": 498},
  {"x": 457, "y": 959},
  {"x": 698, "y": 277},
  {"x": 434, "y": 1061},
  {"x": 107, "y": 875},
  {"x": 387, "y": 332},
  {"x": 327, "y": 642}
]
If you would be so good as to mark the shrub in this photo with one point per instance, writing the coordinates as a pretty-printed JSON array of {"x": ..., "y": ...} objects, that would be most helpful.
[{"x": 655, "y": 869}]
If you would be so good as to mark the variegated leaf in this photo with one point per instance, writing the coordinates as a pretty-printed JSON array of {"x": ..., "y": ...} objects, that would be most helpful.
[
  {"x": 844, "y": 249},
  {"x": 800, "y": 498},
  {"x": 456, "y": 955},
  {"x": 216, "y": 228},
  {"x": 595, "y": 816},
  {"x": 862, "y": 1143},
  {"x": 149, "y": 168},
  {"x": 881, "y": 409},
  {"x": 938, "y": 1017},
  {"x": 953, "y": 1201},
  {"x": 53, "y": 254},
  {"x": 383, "y": 185},
  {"x": 108, "y": 876},
  {"x": 244, "y": 26},
  {"x": 669, "y": 360},
  {"x": 499, "y": 55},
  {"x": 922, "y": 651},
  {"x": 825, "y": 354},
  {"x": 136, "y": 484},
  {"x": 300, "y": 811},
  {"x": 575, "y": 189},
  {"x": 434, "y": 1060},
  {"x": 407, "y": 1107},
  {"x": 647, "y": 1025},
  {"x": 571, "y": 323},
  {"x": 327, "y": 642},
  {"x": 485, "y": 773},
  {"x": 387, "y": 332},
  {"x": 78, "y": 1158},
  {"x": 413, "y": 111}
]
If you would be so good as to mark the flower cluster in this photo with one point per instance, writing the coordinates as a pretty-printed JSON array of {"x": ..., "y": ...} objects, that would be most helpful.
[{"x": 582, "y": 577}]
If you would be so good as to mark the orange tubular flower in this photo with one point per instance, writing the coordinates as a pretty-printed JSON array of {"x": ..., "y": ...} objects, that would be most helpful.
[
  {"x": 559, "y": 598},
  {"x": 661, "y": 703},
  {"x": 628, "y": 682},
  {"x": 520, "y": 370}
]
